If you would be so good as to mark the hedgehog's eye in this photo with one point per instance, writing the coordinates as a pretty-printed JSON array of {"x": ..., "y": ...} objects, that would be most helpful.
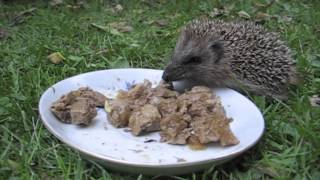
[
  {"x": 217, "y": 48},
  {"x": 193, "y": 60}
]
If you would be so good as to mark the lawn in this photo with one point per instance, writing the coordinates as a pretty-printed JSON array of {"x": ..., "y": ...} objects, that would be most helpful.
[{"x": 143, "y": 34}]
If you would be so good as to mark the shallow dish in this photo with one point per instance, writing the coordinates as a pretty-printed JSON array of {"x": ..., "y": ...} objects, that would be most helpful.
[{"x": 119, "y": 150}]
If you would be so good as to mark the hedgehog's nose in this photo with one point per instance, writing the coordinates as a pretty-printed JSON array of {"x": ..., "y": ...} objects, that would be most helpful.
[{"x": 165, "y": 76}]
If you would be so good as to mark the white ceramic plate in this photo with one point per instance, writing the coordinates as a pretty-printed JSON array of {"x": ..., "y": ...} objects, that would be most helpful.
[{"x": 122, "y": 151}]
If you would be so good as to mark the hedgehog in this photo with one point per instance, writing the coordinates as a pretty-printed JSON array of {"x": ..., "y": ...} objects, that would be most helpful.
[{"x": 240, "y": 55}]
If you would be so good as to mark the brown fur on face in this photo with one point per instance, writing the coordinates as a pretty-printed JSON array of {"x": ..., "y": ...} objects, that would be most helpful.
[{"x": 236, "y": 55}]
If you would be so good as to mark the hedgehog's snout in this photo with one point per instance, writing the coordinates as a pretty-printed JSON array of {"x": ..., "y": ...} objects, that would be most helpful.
[
  {"x": 171, "y": 72},
  {"x": 166, "y": 76}
]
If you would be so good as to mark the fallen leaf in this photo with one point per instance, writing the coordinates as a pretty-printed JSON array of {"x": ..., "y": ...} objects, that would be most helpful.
[
  {"x": 56, "y": 57},
  {"x": 260, "y": 16},
  {"x": 263, "y": 7},
  {"x": 4, "y": 34},
  {"x": 138, "y": 11},
  {"x": 76, "y": 6},
  {"x": 117, "y": 24},
  {"x": 118, "y": 8},
  {"x": 55, "y": 2},
  {"x": 315, "y": 100},
  {"x": 95, "y": 65},
  {"x": 223, "y": 10},
  {"x": 216, "y": 12},
  {"x": 244, "y": 14},
  {"x": 134, "y": 45},
  {"x": 125, "y": 29},
  {"x": 22, "y": 17},
  {"x": 107, "y": 29},
  {"x": 101, "y": 27},
  {"x": 160, "y": 23},
  {"x": 115, "y": 28},
  {"x": 104, "y": 28},
  {"x": 114, "y": 32},
  {"x": 267, "y": 170},
  {"x": 76, "y": 58},
  {"x": 285, "y": 19},
  {"x": 121, "y": 26},
  {"x": 227, "y": 9},
  {"x": 259, "y": 5},
  {"x": 102, "y": 51},
  {"x": 33, "y": 164}
]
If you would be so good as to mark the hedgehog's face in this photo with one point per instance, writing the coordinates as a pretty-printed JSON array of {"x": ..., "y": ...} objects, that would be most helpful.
[{"x": 192, "y": 59}]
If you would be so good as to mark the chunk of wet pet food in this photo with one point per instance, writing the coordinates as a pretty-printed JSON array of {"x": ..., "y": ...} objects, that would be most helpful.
[
  {"x": 167, "y": 106},
  {"x": 194, "y": 117},
  {"x": 82, "y": 111},
  {"x": 201, "y": 113},
  {"x": 221, "y": 124},
  {"x": 118, "y": 112},
  {"x": 174, "y": 129},
  {"x": 145, "y": 119},
  {"x": 61, "y": 107},
  {"x": 78, "y": 107},
  {"x": 98, "y": 98},
  {"x": 139, "y": 90}
]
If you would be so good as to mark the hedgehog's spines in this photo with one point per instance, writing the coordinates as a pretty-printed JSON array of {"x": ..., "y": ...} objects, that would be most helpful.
[{"x": 256, "y": 56}]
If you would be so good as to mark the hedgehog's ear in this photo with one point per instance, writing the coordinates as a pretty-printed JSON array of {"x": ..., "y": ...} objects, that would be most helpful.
[
  {"x": 217, "y": 48},
  {"x": 182, "y": 40}
]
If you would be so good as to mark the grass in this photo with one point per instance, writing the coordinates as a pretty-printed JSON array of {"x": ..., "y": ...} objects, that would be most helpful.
[{"x": 290, "y": 148}]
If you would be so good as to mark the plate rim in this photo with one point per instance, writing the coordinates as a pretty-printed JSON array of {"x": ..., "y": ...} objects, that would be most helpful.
[{"x": 124, "y": 162}]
